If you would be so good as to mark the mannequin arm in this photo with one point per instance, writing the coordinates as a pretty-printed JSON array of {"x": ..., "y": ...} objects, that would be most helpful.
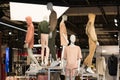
[
  {"x": 79, "y": 63},
  {"x": 26, "y": 45},
  {"x": 65, "y": 38}
]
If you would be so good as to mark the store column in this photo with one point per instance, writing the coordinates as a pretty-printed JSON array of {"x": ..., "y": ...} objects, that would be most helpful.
[{"x": 0, "y": 56}]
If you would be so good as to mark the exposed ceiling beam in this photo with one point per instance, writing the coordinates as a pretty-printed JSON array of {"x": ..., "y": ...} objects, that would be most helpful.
[
  {"x": 83, "y": 11},
  {"x": 103, "y": 14}
]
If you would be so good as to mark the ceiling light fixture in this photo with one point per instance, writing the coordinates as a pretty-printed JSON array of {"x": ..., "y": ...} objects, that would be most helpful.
[
  {"x": 116, "y": 24},
  {"x": 115, "y": 20}
]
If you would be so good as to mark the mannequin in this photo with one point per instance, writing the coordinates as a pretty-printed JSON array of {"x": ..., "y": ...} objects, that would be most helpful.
[
  {"x": 29, "y": 40},
  {"x": 53, "y": 25},
  {"x": 52, "y": 17},
  {"x": 63, "y": 36},
  {"x": 92, "y": 39},
  {"x": 72, "y": 55},
  {"x": 43, "y": 33}
]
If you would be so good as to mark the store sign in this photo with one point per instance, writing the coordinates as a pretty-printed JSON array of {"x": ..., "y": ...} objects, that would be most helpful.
[{"x": 18, "y": 11}]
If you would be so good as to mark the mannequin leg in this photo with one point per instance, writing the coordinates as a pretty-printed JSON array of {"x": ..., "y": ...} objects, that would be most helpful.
[
  {"x": 30, "y": 54},
  {"x": 42, "y": 55},
  {"x": 73, "y": 78},
  {"x": 52, "y": 45},
  {"x": 92, "y": 47},
  {"x": 47, "y": 55},
  {"x": 47, "y": 48},
  {"x": 43, "y": 36},
  {"x": 62, "y": 60},
  {"x": 67, "y": 78},
  {"x": 88, "y": 60}
]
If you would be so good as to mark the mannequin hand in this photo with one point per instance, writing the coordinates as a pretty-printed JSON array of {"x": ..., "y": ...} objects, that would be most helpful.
[
  {"x": 50, "y": 35},
  {"x": 67, "y": 42},
  {"x": 26, "y": 45},
  {"x": 39, "y": 41},
  {"x": 78, "y": 70},
  {"x": 98, "y": 43}
]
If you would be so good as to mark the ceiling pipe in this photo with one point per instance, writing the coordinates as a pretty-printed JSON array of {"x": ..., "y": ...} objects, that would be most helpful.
[
  {"x": 103, "y": 14},
  {"x": 11, "y": 26}
]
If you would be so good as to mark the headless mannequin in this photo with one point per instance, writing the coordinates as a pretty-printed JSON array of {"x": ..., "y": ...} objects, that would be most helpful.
[
  {"x": 29, "y": 40},
  {"x": 63, "y": 37},
  {"x": 44, "y": 33},
  {"x": 52, "y": 35},
  {"x": 68, "y": 55},
  {"x": 92, "y": 39}
]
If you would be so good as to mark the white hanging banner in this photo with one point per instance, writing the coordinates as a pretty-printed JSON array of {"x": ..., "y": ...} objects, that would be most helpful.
[{"x": 18, "y": 11}]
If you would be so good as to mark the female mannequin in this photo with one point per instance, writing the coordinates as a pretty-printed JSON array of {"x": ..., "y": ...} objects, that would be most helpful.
[
  {"x": 72, "y": 55},
  {"x": 43, "y": 33},
  {"x": 92, "y": 39},
  {"x": 63, "y": 36},
  {"x": 52, "y": 35},
  {"x": 29, "y": 40}
]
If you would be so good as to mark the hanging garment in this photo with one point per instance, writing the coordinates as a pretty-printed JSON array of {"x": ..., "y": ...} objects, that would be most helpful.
[
  {"x": 100, "y": 65},
  {"x": 112, "y": 65}
]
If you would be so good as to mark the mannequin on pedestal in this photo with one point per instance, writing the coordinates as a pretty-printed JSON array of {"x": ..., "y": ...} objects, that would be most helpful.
[
  {"x": 52, "y": 25},
  {"x": 43, "y": 33},
  {"x": 29, "y": 40},
  {"x": 63, "y": 37},
  {"x": 92, "y": 39},
  {"x": 72, "y": 55}
]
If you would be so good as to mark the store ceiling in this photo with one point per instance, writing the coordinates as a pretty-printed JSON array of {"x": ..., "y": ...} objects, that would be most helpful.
[{"x": 106, "y": 11}]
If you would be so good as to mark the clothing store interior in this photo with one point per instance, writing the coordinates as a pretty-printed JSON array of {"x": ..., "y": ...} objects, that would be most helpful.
[{"x": 59, "y": 39}]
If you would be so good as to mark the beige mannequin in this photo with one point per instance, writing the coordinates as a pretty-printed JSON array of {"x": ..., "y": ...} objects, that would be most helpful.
[
  {"x": 43, "y": 32},
  {"x": 63, "y": 37},
  {"x": 92, "y": 39},
  {"x": 29, "y": 40},
  {"x": 72, "y": 55}
]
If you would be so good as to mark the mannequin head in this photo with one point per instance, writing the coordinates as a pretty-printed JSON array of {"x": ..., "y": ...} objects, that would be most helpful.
[
  {"x": 49, "y": 6},
  {"x": 91, "y": 16},
  {"x": 28, "y": 20},
  {"x": 72, "y": 38},
  {"x": 64, "y": 17},
  {"x": 45, "y": 18}
]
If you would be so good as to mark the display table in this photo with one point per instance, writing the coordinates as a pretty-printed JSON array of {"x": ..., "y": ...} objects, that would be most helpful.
[
  {"x": 50, "y": 70},
  {"x": 89, "y": 76},
  {"x": 53, "y": 69}
]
